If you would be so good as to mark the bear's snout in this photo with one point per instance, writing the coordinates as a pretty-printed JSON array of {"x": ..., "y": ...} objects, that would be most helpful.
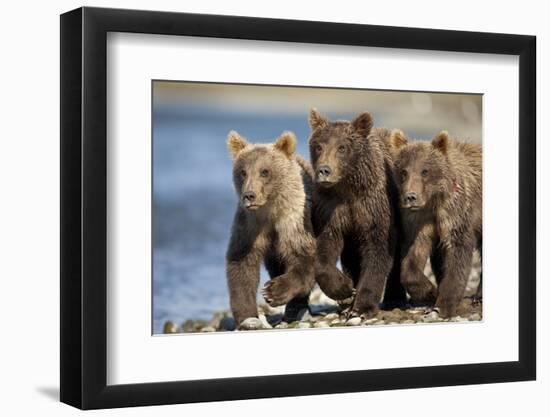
[
  {"x": 323, "y": 174},
  {"x": 410, "y": 198},
  {"x": 248, "y": 198}
]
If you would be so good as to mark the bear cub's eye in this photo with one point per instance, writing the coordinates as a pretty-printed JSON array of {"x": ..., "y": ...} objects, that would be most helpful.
[
  {"x": 404, "y": 173},
  {"x": 264, "y": 172},
  {"x": 317, "y": 148},
  {"x": 341, "y": 149},
  {"x": 424, "y": 172},
  {"x": 243, "y": 173}
]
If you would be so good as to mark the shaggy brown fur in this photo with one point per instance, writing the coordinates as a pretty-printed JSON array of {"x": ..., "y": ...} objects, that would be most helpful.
[
  {"x": 272, "y": 224},
  {"x": 354, "y": 211},
  {"x": 441, "y": 201}
]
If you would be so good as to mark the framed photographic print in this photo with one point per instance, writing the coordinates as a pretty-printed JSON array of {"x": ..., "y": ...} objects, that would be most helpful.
[{"x": 257, "y": 208}]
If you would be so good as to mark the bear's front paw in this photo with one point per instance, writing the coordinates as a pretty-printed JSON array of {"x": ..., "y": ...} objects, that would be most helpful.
[
  {"x": 277, "y": 292},
  {"x": 341, "y": 290},
  {"x": 445, "y": 311},
  {"x": 364, "y": 314},
  {"x": 350, "y": 313},
  {"x": 364, "y": 310}
]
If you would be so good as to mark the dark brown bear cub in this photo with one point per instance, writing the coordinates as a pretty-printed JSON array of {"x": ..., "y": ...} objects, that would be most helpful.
[
  {"x": 272, "y": 225},
  {"x": 354, "y": 211},
  {"x": 441, "y": 205}
]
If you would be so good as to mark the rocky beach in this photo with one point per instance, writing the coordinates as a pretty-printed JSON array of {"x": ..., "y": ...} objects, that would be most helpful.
[{"x": 322, "y": 316}]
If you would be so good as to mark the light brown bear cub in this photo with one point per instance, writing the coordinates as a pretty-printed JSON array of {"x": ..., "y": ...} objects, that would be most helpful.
[
  {"x": 272, "y": 224},
  {"x": 441, "y": 205}
]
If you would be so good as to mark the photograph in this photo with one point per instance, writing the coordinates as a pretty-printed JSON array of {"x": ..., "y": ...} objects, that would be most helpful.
[{"x": 302, "y": 207}]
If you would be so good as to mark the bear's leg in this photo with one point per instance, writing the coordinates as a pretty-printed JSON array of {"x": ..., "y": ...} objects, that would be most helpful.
[
  {"x": 333, "y": 282},
  {"x": 376, "y": 264},
  {"x": 276, "y": 267},
  {"x": 417, "y": 284},
  {"x": 274, "y": 264},
  {"x": 242, "y": 278},
  {"x": 295, "y": 307},
  {"x": 479, "y": 292},
  {"x": 457, "y": 263},
  {"x": 395, "y": 294},
  {"x": 436, "y": 262}
]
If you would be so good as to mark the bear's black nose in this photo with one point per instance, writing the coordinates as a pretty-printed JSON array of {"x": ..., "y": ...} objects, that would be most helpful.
[
  {"x": 249, "y": 196},
  {"x": 324, "y": 170},
  {"x": 410, "y": 198}
]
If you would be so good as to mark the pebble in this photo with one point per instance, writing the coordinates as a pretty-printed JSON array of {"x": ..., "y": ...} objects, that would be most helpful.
[
  {"x": 194, "y": 325},
  {"x": 409, "y": 322},
  {"x": 431, "y": 317},
  {"x": 267, "y": 310},
  {"x": 274, "y": 319},
  {"x": 265, "y": 324},
  {"x": 371, "y": 321},
  {"x": 336, "y": 321},
  {"x": 459, "y": 319},
  {"x": 475, "y": 317},
  {"x": 228, "y": 324},
  {"x": 251, "y": 323},
  {"x": 306, "y": 316},
  {"x": 322, "y": 309},
  {"x": 208, "y": 329},
  {"x": 282, "y": 325},
  {"x": 188, "y": 326},
  {"x": 217, "y": 318},
  {"x": 170, "y": 327},
  {"x": 332, "y": 316},
  {"x": 304, "y": 325},
  {"x": 379, "y": 323},
  {"x": 321, "y": 323},
  {"x": 354, "y": 321}
]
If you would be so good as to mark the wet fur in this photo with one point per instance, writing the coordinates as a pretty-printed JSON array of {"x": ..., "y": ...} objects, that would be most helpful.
[
  {"x": 279, "y": 233},
  {"x": 449, "y": 226},
  {"x": 356, "y": 218}
]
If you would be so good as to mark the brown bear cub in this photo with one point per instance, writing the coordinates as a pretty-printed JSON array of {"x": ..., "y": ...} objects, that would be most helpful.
[
  {"x": 355, "y": 212},
  {"x": 272, "y": 224},
  {"x": 441, "y": 200}
]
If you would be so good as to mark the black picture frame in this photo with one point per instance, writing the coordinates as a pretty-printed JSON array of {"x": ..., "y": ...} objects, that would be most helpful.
[{"x": 84, "y": 207}]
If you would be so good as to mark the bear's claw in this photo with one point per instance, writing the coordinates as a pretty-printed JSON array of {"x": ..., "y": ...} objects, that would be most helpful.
[{"x": 277, "y": 292}]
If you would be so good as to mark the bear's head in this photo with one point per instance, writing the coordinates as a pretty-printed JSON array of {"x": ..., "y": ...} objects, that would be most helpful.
[
  {"x": 260, "y": 170},
  {"x": 422, "y": 170},
  {"x": 334, "y": 146}
]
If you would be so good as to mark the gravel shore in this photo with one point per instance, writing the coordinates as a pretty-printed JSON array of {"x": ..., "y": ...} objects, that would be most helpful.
[{"x": 323, "y": 315}]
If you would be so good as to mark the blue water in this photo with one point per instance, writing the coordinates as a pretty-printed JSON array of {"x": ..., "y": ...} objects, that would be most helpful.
[{"x": 194, "y": 202}]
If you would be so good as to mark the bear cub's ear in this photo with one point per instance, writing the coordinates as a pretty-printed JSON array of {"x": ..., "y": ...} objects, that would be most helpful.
[
  {"x": 397, "y": 139},
  {"x": 235, "y": 143},
  {"x": 362, "y": 124},
  {"x": 441, "y": 142},
  {"x": 316, "y": 120},
  {"x": 286, "y": 143}
]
